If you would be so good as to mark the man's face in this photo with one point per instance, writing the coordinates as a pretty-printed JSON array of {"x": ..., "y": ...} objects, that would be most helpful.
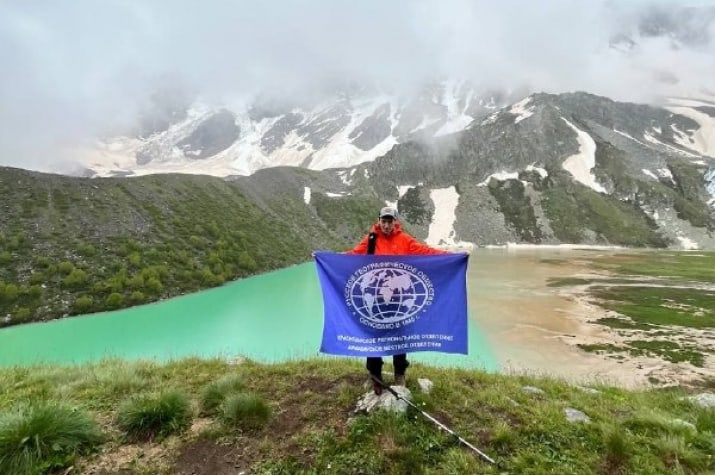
[{"x": 387, "y": 225}]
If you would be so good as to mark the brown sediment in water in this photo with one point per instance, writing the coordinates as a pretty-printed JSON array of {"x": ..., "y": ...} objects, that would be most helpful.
[{"x": 535, "y": 329}]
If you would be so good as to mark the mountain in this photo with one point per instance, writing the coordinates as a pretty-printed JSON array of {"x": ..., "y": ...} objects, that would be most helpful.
[
  {"x": 549, "y": 169},
  {"x": 564, "y": 168},
  {"x": 340, "y": 128}
]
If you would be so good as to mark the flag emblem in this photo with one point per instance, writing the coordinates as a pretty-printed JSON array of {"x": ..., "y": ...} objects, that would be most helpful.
[{"x": 388, "y": 295}]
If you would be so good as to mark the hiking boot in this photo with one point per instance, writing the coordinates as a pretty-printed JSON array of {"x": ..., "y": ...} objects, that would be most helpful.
[
  {"x": 399, "y": 380},
  {"x": 376, "y": 387}
]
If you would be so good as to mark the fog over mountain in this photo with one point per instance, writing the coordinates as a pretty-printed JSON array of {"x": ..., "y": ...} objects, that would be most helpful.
[{"x": 75, "y": 71}]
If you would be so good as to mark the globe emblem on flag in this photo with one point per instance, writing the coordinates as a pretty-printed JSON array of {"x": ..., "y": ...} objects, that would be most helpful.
[{"x": 389, "y": 295}]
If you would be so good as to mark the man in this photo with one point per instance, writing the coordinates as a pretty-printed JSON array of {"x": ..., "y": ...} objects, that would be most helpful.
[{"x": 388, "y": 238}]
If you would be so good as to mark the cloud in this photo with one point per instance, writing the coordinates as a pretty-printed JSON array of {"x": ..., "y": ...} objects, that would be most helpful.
[{"x": 76, "y": 70}]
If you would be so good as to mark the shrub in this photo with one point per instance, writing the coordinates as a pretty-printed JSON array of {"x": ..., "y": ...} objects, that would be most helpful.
[
  {"x": 154, "y": 285},
  {"x": 135, "y": 259},
  {"x": 149, "y": 415},
  {"x": 245, "y": 261},
  {"x": 247, "y": 411},
  {"x": 114, "y": 300},
  {"x": 36, "y": 439},
  {"x": 137, "y": 296},
  {"x": 215, "y": 393},
  {"x": 76, "y": 279},
  {"x": 83, "y": 303},
  {"x": 8, "y": 292},
  {"x": 86, "y": 249},
  {"x": 617, "y": 445},
  {"x": 37, "y": 277},
  {"x": 22, "y": 314},
  {"x": 65, "y": 267}
]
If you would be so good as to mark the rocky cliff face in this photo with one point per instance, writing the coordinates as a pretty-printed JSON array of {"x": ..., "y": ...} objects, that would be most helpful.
[{"x": 571, "y": 168}]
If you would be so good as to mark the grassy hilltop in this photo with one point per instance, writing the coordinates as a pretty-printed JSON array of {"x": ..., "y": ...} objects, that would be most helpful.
[{"x": 206, "y": 417}]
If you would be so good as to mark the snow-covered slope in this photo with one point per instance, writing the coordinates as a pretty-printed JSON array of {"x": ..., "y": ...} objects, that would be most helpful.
[{"x": 342, "y": 131}]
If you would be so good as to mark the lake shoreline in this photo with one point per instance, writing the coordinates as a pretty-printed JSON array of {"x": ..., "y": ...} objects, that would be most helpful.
[{"x": 546, "y": 340}]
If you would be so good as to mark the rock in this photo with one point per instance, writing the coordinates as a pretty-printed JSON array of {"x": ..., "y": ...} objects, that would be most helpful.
[
  {"x": 574, "y": 415},
  {"x": 236, "y": 360},
  {"x": 682, "y": 424},
  {"x": 533, "y": 390},
  {"x": 370, "y": 402},
  {"x": 706, "y": 400},
  {"x": 425, "y": 385},
  {"x": 513, "y": 402},
  {"x": 589, "y": 390}
]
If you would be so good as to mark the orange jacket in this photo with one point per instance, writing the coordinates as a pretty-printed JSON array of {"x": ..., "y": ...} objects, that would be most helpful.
[{"x": 399, "y": 242}]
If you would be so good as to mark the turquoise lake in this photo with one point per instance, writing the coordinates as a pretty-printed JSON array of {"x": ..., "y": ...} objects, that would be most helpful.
[{"x": 271, "y": 317}]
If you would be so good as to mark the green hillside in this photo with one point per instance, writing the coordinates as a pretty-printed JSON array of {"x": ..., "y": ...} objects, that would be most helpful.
[{"x": 76, "y": 245}]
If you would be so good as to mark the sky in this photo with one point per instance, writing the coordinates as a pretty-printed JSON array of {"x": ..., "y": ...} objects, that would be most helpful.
[{"x": 80, "y": 69}]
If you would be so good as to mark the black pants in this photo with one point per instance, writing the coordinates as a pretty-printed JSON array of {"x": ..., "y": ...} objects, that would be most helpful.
[{"x": 374, "y": 365}]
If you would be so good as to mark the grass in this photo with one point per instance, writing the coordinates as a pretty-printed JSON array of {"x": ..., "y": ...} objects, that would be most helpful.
[
  {"x": 667, "y": 294},
  {"x": 245, "y": 410},
  {"x": 215, "y": 393},
  {"x": 302, "y": 421},
  {"x": 44, "y": 436},
  {"x": 575, "y": 211},
  {"x": 666, "y": 350},
  {"x": 698, "y": 267},
  {"x": 622, "y": 323},
  {"x": 693, "y": 308},
  {"x": 160, "y": 414},
  {"x": 567, "y": 281}
]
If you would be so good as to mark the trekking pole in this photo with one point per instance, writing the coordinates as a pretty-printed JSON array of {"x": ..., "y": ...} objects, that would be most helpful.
[{"x": 442, "y": 426}]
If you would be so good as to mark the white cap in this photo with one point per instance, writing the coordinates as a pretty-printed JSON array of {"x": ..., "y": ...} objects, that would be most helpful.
[{"x": 388, "y": 211}]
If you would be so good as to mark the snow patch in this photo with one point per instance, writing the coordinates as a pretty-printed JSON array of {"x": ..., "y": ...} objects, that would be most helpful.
[
  {"x": 650, "y": 138},
  {"x": 629, "y": 137},
  {"x": 710, "y": 185},
  {"x": 441, "y": 229},
  {"x": 680, "y": 137},
  {"x": 688, "y": 244},
  {"x": 501, "y": 176},
  {"x": 650, "y": 173},
  {"x": 340, "y": 152},
  {"x": 681, "y": 101},
  {"x": 703, "y": 140},
  {"x": 491, "y": 119},
  {"x": 521, "y": 111},
  {"x": 541, "y": 171},
  {"x": 581, "y": 164},
  {"x": 457, "y": 119},
  {"x": 665, "y": 173},
  {"x": 454, "y": 124},
  {"x": 345, "y": 177},
  {"x": 306, "y": 195}
]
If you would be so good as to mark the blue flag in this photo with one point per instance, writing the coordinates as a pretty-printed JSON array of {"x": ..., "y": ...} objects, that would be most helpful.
[{"x": 379, "y": 305}]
